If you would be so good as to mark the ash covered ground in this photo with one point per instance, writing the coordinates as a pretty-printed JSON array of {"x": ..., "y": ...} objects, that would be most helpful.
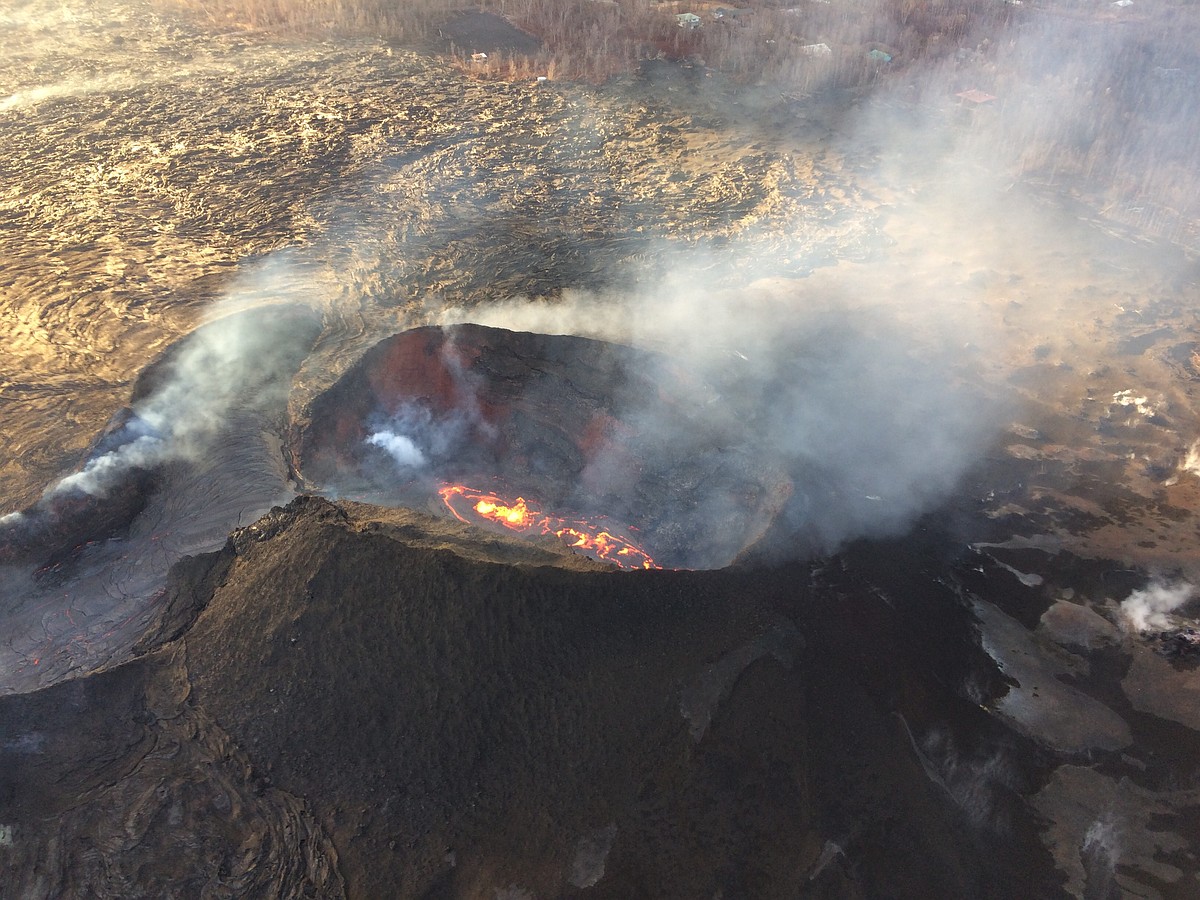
[{"x": 952, "y": 414}]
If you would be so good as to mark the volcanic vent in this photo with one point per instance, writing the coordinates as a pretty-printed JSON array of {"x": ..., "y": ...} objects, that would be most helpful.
[{"x": 608, "y": 448}]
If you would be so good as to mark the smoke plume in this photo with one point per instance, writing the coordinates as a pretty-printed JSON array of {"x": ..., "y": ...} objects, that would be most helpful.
[
  {"x": 1148, "y": 609},
  {"x": 869, "y": 416},
  {"x": 399, "y": 447},
  {"x": 859, "y": 387},
  {"x": 413, "y": 437},
  {"x": 1191, "y": 460},
  {"x": 241, "y": 359},
  {"x": 861, "y": 379}
]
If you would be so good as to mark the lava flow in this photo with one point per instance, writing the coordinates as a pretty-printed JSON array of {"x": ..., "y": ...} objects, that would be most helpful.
[{"x": 580, "y": 534}]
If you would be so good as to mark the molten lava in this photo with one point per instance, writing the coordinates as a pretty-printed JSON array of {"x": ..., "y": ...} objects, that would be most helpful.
[{"x": 593, "y": 539}]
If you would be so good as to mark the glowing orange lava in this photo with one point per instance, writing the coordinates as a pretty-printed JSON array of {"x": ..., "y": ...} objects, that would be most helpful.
[{"x": 593, "y": 539}]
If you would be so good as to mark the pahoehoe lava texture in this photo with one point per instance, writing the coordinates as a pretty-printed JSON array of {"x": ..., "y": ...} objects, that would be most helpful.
[
  {"x": 83, "y": 571},
  {"x": 54, "y": 527},
  {"x": 368, "y": 702},
  {"x": 147, "y": 159}
]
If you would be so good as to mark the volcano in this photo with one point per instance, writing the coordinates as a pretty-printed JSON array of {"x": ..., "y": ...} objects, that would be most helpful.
[
  {"x": 826, "y": 587},
  {"x": 606, "y": 442},
  {"x": 360, "y": 695}
]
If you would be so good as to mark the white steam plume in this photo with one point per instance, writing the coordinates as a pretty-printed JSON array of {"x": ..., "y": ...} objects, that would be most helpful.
[
  {"x": 101, "y": 472},
  {"x": 864, "y": 380},
  {"x": 414, "y": 438},
  {"x": 1191, "y": 460},
  {"x": 864, "y": 410},
  {"x": 400, "y": 447},
  {"x": 236, "y": 359},
  {"x": 1147, "y": 609}
]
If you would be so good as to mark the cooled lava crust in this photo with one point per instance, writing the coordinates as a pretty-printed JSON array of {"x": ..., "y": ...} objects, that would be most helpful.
[
  {"x": 58, "y": 525},
  {"x": 577, "y": 426}
]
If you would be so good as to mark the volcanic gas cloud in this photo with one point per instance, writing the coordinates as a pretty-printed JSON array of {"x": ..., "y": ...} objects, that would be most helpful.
[{"x": 548, "y": 436}]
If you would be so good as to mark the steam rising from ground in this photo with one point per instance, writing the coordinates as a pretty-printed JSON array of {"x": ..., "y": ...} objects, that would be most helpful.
[
  {"x": 863, "y": 401},
  {"x": 400, "y": 447},
  {"x": 1148, "y": 609},
  {"x": 414, "y": 439},
  {"x": 872, "y": 424},
  {"x": 868, "y": 399},
  {"x": 101, "y": 472},
  {"x": 1191, "y": 460},
  {"x": 236, "y": 359}
]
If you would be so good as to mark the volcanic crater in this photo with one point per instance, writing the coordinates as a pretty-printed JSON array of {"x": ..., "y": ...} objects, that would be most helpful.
[{"x": 586, "y": 435}]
